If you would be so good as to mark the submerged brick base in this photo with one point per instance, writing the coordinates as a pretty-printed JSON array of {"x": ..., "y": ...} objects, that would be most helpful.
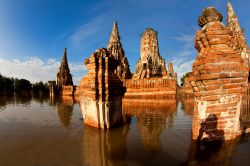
[{"x": 101, "y": 114}]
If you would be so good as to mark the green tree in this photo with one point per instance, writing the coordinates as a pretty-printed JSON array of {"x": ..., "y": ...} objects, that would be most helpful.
[
  {"x": 40, "y": 87},
  {"x": 6, "y": 85},
  {"x": 22, "y": 85},
  {"x": 188, "y": 74}
]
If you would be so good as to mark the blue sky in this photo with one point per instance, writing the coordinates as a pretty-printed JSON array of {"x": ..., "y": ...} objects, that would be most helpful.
[{"x": 33, "y": 33}]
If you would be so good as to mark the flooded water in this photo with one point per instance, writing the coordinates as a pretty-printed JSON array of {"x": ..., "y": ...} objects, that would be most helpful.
[{"x": 37, "y": 131}]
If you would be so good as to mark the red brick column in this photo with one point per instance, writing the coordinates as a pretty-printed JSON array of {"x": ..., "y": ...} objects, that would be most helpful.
[
  {"x": 101, "y": 91},
  {"x": 219, "y": 79}
]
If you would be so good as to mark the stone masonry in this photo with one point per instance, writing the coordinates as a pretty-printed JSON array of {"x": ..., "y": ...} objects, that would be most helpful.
[
  {"x": 64, "y": 83},
  {"x": 220, "y": 76},
  {"x": 151, "y": 64},
  {"x": 151, "y": 79},
  {"x": 101, "y": 91},
  {"x": 115, "y": 47},
  {"x": 63, "y": 76}
]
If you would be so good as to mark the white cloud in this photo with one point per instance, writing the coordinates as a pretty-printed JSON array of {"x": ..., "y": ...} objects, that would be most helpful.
[
  {"x": 184, "y": 38},
  {"x": 184, "y": 58},
  {"x": 182, "y": 66},
  {"x": 35, "y": 69}
]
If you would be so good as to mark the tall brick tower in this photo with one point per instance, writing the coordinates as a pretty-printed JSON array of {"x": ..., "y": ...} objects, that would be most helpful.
[{"x": 151, "y": 64}]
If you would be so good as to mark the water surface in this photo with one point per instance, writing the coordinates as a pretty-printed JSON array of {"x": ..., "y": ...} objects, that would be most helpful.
[{"x": 38, "y": 131}]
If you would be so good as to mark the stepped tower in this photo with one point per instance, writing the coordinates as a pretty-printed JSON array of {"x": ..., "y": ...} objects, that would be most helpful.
[
  {"x": 151, "y": 64},
  {"x": 115, "y": 48},
  {"x": 63, "y": 76}
]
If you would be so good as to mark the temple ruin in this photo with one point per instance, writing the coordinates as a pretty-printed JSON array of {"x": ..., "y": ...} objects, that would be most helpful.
[
  {"x": 151, "y": 79},
  {"x": 151, "y": 64},
  {"x": 116, "y": 50},
  {"x": 64, "y": 83},
  {"x": 101, "y": 91},
  {"x": 220, "y": 76},
  {"x": 109, "y": 79},
  {"x": 63, "y": 76}
]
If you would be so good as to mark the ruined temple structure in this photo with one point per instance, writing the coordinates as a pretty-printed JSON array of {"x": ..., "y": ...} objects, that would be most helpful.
[
  {"x": 101, "y": 91},
  {"x": 63, "y": 76},
  {"x": 116, "y": 50},
  {"x": 220, "y": 76},
  {"x": 64, "y": 83},
  {"x": 151, "y": 79},
  {"x": 151, "y": 64}
]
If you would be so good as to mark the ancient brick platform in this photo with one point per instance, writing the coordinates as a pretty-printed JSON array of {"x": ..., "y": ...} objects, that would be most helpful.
[{"x": 151, "y": 88}]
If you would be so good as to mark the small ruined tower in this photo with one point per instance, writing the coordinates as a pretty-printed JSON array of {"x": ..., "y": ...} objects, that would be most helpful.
[
  {"x": 63, "y": 76},
  {"x": 115, "y": 48},
  {"x": 151, "y": 64},
  {"x": 171, "y": 72},
  {"x": 219, "y": 78}
]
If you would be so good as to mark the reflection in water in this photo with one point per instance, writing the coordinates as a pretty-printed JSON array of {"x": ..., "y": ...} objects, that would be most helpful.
[
  {"x": 152, "y": 119},
  {"x": 210, "y": 153},
  {"x": 188, "y": 106},
  {"x": 65, "y": 110},
  {"x": 104, "y": 147},
  {"x": 245, "y": 114},
  {"x": 5, "y": 100},
  {"x": 40, "y": 97},
  {"x": 24, "y": 98},
  {"x": 34, "y": 133}
]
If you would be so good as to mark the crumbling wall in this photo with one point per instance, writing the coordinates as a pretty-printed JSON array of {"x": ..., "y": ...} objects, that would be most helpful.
[{"x": 220, "y": 77}]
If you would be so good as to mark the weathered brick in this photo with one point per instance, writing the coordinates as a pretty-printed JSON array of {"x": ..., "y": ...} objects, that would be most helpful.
[{"x": 220, "y": 74}]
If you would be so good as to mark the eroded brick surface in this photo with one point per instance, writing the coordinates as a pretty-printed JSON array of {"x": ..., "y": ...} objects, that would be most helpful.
[
  {"x": 220, "y": 76},
  {"x": 101, "y": 91}
]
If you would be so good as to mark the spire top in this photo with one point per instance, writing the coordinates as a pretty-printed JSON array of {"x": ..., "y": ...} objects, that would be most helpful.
[
  {"x": 65, "y": 51},
  {"x": 230, "y": 13},
  {"x": 114, "y": 37},
  {"x": 232, "y": 21},
  {"x": 64, "y": 59}
]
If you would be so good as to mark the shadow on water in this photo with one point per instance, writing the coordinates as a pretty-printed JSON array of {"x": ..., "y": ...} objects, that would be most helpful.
[
  {"x": 210, "y": 153},
  {"x": 203, "y": 151}
]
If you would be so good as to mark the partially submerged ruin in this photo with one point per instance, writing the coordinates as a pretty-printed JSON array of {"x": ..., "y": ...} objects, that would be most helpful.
[
  {"x": 218, "y": 80},
  {"x": 101, "y": 91},
  {"x": 220, "y": 76},
  {"x": 64, "y": 82}
]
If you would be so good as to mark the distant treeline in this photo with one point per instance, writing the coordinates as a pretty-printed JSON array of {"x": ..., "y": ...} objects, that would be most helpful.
[{"x": 11, "y": 85}]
